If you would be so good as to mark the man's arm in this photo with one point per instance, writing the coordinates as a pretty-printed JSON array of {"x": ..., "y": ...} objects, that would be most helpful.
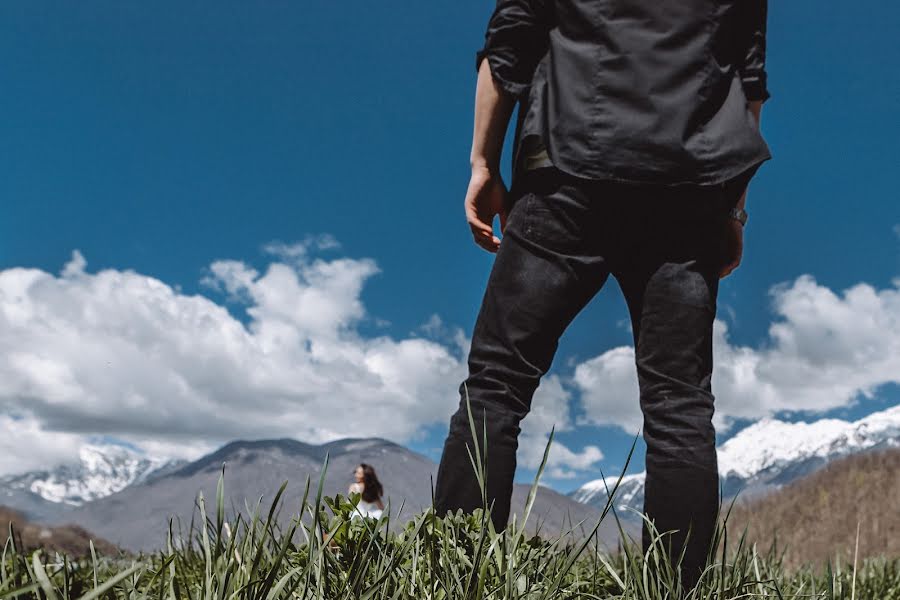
[
  {"x": 493, "y": 108},
  {"x": 752, "y": 68},
  {"x": 755, "y": 107},
  {"x": 735, "y": 233},
  {"x": 515, "y": 40},
  {"x": 752, "y": 71},
  {"x": 486, "y": 195}
]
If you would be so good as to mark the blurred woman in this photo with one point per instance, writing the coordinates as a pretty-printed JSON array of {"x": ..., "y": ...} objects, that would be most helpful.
[{"x": 368, "y": 486}]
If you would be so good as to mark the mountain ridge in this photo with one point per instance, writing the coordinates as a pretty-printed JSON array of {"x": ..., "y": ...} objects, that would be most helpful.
[
  {"x": 136, "y": 516},
  {"x": 769, "y": 454},
  {"x": 101, "y": 470},
  {"x": 124, "y": 492}
]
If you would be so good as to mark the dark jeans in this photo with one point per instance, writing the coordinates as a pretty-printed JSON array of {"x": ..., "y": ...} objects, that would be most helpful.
[{"x": 564, "y": 236}]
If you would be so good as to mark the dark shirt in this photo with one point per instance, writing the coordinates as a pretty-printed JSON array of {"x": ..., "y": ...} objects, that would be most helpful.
[{"x": 647, "y": 91}]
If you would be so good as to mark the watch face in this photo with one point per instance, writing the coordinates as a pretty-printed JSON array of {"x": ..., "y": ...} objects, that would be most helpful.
[{"x": 739, "y": 214}]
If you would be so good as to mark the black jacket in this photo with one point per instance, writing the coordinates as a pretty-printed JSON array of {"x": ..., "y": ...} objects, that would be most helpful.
[{"x": 648, "y": 91}]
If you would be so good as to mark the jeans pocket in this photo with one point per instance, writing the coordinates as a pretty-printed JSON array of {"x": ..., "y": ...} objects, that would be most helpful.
[
  {"x": 555, "y": 220},
  {"x": 548, "y": 225}
]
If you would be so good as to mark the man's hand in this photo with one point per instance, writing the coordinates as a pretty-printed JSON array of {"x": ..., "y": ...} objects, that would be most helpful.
[
  {"x": 734, "y": 247},
  {"x": 485, "y": 198},
  {"x": 734, "y": 241}
]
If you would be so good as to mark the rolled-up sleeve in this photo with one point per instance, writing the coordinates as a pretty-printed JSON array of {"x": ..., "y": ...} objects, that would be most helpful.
[
  {"x": 753, "y": 66},
  {"x": 514, "y": 42}
]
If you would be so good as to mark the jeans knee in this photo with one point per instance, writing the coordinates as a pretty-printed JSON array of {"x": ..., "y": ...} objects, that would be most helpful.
[
  {"x": 498, "y": 392},
  {"x": 684, "y": 408},
  {"x": 678, "y": 429},
  {"x": 490, "y": 413}
]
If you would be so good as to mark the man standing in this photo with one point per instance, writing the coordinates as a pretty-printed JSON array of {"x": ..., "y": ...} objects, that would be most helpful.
[{"x": 636, "y": 137}]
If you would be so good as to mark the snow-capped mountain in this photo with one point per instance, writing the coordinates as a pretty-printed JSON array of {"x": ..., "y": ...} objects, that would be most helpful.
[
  {"x": 770, "y": 448},
  {"x": 630, "y": 493},
  {"x": 768, "y": 454},
  {"x": 101, "y": 470}
]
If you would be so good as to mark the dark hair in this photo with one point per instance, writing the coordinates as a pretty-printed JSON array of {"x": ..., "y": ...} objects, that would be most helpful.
[{"x": 372, "y": 488}]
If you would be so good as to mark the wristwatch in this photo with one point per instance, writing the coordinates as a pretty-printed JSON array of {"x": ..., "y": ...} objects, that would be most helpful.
[{"x": 738, "y": 213}]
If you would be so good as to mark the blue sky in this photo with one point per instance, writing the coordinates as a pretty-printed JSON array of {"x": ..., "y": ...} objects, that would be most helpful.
[{"x": 160, "y": 138}]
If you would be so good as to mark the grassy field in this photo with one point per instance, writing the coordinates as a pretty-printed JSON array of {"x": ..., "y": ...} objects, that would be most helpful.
[{"x": 326, "y": 555}]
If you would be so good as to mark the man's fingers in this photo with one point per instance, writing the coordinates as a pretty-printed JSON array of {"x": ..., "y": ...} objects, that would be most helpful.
[
  {"x": 481, "y": 230},
  {"x": 489, "y": 243},
  {"x": 733, "y": 249},
  {"x": 476, "y": 223},
  {"x": 483, "y": 234},
  {"x": 727, "y": 269},
  {"x": 479, "y": 202}
]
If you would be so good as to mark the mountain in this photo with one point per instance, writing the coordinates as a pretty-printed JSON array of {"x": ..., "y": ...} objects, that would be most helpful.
[
  {"x": 815, "y": 518},
  {"x": 68, "y": 539},
  {"x": 768, "y": 455},
  {"x": 101, "y": 470},
  {"x": 629, "y": 495},
  {"x": 136, "y": 517},
  {"x": 771, "y": 453},
  {"x": 128, "y": 497},
  {"x": 30, "y": 505}
]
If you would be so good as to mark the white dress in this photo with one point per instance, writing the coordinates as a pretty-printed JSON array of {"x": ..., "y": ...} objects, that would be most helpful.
[{"x": 363, "y": 508}]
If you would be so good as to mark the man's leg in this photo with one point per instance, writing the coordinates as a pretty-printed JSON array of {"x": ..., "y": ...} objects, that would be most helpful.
[
  {"x": 671, "y": 286},
  {"x": 547, "y": 268}
]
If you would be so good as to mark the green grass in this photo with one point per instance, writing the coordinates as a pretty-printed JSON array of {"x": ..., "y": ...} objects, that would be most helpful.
[{"x": 325, "y": 555}]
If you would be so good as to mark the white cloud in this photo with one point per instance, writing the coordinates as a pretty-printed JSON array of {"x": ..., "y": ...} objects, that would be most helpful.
[
  {"x": 25, "y": 445},
  {"x": 117, "y": 353},
  {"x": 550, "y": 409},
  {"x": 122, "y": 354},
  {"x": 608, "y": 389},
  {"x": 434, "y": 326},
  {"x": 300, "y": 250},
  {"x": 824, "y": 351}
]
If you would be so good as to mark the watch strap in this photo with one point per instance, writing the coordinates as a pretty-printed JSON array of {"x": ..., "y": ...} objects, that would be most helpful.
[{"x": 739, "y": 214}]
